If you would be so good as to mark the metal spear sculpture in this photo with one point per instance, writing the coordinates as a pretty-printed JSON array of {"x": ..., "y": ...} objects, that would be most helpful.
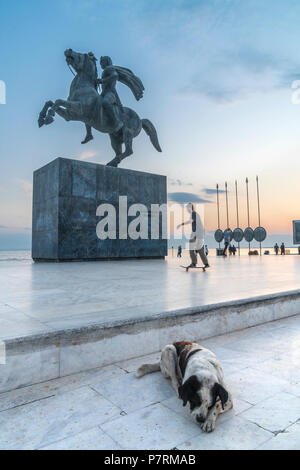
[
  {"x": 238, "y": 233},
  {"x": 218, "y": 233},
  {"x": 260, "y": 233},
  {"x": 248, "y": 234},
  {"x": 228, "y": 229},
  {"x": 227, "y": 204}
]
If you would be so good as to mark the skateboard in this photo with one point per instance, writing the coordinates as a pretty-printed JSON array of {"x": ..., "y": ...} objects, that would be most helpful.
[{"x": 193, "y": 267}]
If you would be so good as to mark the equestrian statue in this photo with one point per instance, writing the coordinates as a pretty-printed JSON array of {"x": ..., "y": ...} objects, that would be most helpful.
[{"x": 103, "y": 110}]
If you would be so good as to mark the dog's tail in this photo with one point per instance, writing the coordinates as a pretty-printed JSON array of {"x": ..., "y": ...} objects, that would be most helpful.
[{"x": 147, "y": 369}]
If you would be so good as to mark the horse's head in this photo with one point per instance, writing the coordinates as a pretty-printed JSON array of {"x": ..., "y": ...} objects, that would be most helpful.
[{"x": 82, "y": 63}]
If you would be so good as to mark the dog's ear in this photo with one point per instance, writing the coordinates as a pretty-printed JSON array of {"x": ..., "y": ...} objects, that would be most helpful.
[
  {"x": 219, "y": 391},
  {"x": 188, "y": 389},
  {"x": 182, "y": 394}
]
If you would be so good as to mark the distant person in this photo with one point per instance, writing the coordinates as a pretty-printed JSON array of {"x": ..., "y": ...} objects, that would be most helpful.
[
  {"x": 282, "y": 249},
  {"x": 276, "y": 248},
  {"x": 227, "y": 240},
  {"x": 233, "y": 250},
  {"x": 196, "y": 243},
  {"x": 179, "y": 251}
]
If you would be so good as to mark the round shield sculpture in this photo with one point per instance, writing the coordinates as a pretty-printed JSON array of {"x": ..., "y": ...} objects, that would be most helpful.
[
  {"x": 219, "y": 235},
  {"x": 238, "y": 235},
  {"x": 260, "y": 234},
  {"x": 248, "y": 234}
]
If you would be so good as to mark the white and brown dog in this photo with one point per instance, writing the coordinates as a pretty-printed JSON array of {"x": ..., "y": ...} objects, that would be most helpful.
[{"x": 197, "y": 378}]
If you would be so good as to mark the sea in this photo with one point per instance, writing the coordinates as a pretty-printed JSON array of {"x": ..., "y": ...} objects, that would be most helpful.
[{"x": 18, "y": 255}]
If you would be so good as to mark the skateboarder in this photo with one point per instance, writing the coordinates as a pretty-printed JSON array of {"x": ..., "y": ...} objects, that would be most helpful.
[{"x": 196, "y": 243}]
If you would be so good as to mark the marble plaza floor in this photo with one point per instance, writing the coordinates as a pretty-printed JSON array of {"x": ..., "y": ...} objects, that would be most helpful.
[
  {"x": 36, "y": 298},
  {"x": 108, "y": 408}
]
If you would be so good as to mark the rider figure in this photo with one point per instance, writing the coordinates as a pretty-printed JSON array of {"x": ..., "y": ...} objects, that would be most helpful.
[{"x": 111, "y": 100}]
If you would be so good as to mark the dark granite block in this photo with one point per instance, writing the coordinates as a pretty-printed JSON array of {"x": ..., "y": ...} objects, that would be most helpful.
[
  {"x": 45, "y": 181},
  {"x": 83, "y": 213},
  {"x": 45, "y": 215},
  {"x": 84, "y": 179},
  {"x": 109, "y": 249},
  {"x": 45, "y": 245},
  {"x": 66, "y": 196},
  {"x": 65, "y": 177}
]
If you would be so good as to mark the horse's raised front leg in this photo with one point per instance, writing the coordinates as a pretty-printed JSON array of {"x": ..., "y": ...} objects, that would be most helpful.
[
  {"x": 72, "y": 106},
  {"x": 69, "y": 110},
  {"x": 43, "y": 113},
  {"x": 64, "y": 113}
]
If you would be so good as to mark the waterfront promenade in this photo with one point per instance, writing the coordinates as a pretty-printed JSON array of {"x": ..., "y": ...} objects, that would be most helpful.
[{"x": 37, "y": 298}]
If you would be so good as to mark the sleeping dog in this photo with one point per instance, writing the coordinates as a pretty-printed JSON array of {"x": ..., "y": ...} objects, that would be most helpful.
[{"x": 197, "y": 378}]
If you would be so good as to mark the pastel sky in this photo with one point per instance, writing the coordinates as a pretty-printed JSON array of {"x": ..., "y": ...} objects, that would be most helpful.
[{"x": 217, "y": 74}]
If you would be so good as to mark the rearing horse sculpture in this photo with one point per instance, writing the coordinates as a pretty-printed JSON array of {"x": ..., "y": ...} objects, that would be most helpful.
[{"x": 101, "y": 111}]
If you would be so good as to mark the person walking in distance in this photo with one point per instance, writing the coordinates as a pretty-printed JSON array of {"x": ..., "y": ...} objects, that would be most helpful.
[
  {"x": 276, "y": 248},
  {"x": 282, "y": 249},
  {"x": 196, "y": 243}
]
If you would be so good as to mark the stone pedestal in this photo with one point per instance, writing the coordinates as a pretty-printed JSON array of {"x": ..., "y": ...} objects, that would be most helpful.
[{"x": 66, "y": 195}]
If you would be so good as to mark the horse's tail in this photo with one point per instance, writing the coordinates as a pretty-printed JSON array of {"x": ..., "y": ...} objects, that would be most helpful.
[{"x": 151, "y": 132}]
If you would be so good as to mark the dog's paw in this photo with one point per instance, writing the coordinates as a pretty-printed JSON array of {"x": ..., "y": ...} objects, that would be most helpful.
[{"x": 209, "y": 425}]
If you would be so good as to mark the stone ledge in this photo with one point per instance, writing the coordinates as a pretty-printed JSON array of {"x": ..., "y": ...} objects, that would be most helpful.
[{"x": 159, "y": 320}]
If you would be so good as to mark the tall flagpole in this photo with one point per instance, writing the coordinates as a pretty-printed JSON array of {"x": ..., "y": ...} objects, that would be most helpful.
[
  {"x": 258, "y": 209},
  {"x": 248, "y": 207},
  {"x": 227, "y": 205},
  {"x": 237, "y": 212},
  {"x": 218, "y": 206}
]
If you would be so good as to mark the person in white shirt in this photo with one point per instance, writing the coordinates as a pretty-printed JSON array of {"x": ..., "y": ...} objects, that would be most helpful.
[{"x": 196, "y": 243}]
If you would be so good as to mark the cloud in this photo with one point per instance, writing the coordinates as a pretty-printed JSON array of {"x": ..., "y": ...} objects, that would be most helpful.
[
  {"x": 15, "y": 229},
  {"x": 210, "y": 191},
  {"x": 27, "y": 186},
  {"x": 88, "y": 154},
  {"x": 232, "y": 75},
  {"x": 178, "y": 182},
  {"x": 227, "y": 51},
  {"x": 183, "y": 198}
]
